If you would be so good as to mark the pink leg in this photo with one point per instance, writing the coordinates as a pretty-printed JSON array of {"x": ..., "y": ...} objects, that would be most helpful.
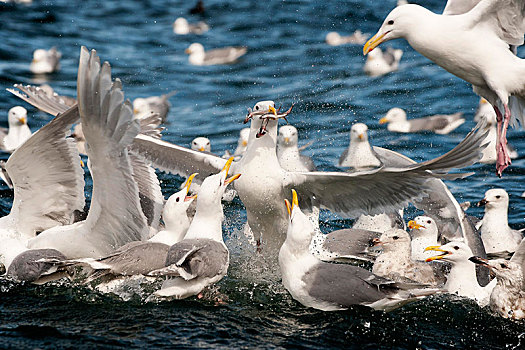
[{"x": 503, "y": 158}]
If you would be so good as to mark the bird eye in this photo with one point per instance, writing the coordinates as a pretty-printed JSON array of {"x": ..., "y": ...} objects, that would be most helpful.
[
  {"x": 207, "y": 143},
  {"x": 194, "y": 143},
  {"x": 391, "y": 22},
  {"x": 498, "y": 196},
  {"x": 395, "y": 238},
  {"x": 257, "y": 107},
  {"x": 456, "y": 247},
  {"x": 177, "y": 199},
  {"x": 429, "y": 222},
  {"x": 503, "y": 266}
]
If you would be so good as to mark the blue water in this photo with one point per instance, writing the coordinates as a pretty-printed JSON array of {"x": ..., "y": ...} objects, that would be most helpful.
[{"x": 287, "y": 61}]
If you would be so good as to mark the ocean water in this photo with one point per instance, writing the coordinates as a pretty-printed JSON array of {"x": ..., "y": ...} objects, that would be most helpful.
[{"x": 287, "y": 61}]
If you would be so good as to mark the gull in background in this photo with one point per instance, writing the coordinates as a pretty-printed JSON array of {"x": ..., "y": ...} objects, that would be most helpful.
[
  {"x": 225, "y": 55},
  {"x": 441, "y": 124},
  {"x": 18, "y": 131},
  {"x": 45, "y": 61},
  {"x": 382, "y": 62}
]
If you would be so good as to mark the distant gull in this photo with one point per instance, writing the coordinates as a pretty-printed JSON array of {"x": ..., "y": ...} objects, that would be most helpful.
[
  {"x": 224, "y": 55},
  {"x": 290, "y": 158},
  {"x": 395, "y": 262},
  {"x": 330, "y": 287},
  {"x": 359, "y": 154},
  {"x": 182, "y": 27},
  {"x": 424, "y": 233},
  {"x": 201, "y": 144},
  {"x": 474, "y": 46},
  {"x": 18, "y": 132},
  {"x": 335, "y": 39},
  {"x": 45, "y": 61},
  {"x": 441, "y": 124},
  {"x": 508, "y": 296},
  {"x": 201, "y": 258},
  {"x": 496, "y": 234},
  {"x": 461, "y": 279},
  {"x": 242, "y": 142},
  {"x": 143, "y": 107},
  {"x": 382, "y": 62}
]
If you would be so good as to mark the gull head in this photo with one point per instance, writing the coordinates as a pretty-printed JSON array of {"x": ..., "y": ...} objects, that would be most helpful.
[
  {"x": 359, "y": 133},
  {"x": 213, "y": 187},
  {"x": 179, "y": 202},
  {"x": 392, "y": 239},
  {"x": 17, "y": 116},
  {"x": 507, "y": 272},
  {"x": 333, "y": 38},
  {"x": 287, "y": 136},
  {"x": 180, "y": 26},
  {"x": 265, "y": 112},
  {"x": 300, "y": 229},
  {"x": 140, "y": 106},
  {"x": 39, "y": 55},
  {"x": 496, "y": 198},
  {"x": 195, "y": 48},
  {"x": 394, "y": 115},
  {"x": 423, "y": 226},
  {"x": 453, "y": 252},
  {"x": 201, "y": 144},
  {"x": 398, "y": 24},
  {"x": 244, "y": 136}
]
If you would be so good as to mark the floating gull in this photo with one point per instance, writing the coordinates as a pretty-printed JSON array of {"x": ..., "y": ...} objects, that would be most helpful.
[
  {"x": 30, "y": 266},
  {"x": 264, "y": 182},
  {"x": 288, "y": 152},
  {"x": 359, "y": 154},
  {"x": 474, "y": 46},
  {"x": 496, "y": 234},
  {"x": 335, "y": 39},
  {"x": 115, "y": 217},
  {"x": 224, "y": 55},
  {"x": 327, "y": 286},
  {"x": 201, "y": 144},
  {"x": 508, "y": 296},
  {"x": 182, "y": 27},
  {"x": 381, "y": 222},
  {"x": 395, "y": 262},
  {"x": 424, "y": 233},
  {"x": 201, "y": 258},
  {"x": 461, "y": 279},
  {"x": 381, "y": 63},
  {"x": 45, "y": 61},
  {"x": 18, "y": 132},
  {"x": 441, "y": 124},
  {"x": 242, "y": 142},
  {"x": 143, "y": 107}
]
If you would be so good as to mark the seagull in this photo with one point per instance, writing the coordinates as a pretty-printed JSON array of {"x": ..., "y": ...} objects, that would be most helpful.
[
  {"x": 242, "y": 142},
  {"x": 264, "y": 183},
  {"x": 471, "y": 41},
  {"x": 18, "y": 132},
  {"x": 359, "y": 154},
  {"x": 424, "y": 233},
  {"x": 381, "y": 63},
  {"x": 201, "y": 258},
  {"x": 496, "y": 234},
  {"x": 381, "y": 222},
  {"x": 45, "y": 61},
  {"x": 335, "y": 39},
  {"x": 32, "y": 266},
  {"x": 143, "y": 107},
  {"x": 201, "y": 144},
  {"x": 226, "y": 55},
  {"x": 182, "y": 27},
  {"x": 288, "y": 152},
  {"x": 508, "y": 296},
  {"x": 441, "y": 124},
  {"x": 115, "y": 216},
  {"x": 395, "y": 262},
  {"x": 50, "y": 92},
  {"x": 330, "y": 287},
  {"x": 461, "y": 279}
]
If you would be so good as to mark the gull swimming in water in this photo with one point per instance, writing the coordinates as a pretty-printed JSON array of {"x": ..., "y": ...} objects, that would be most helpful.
[
  {"x": 335, "y": 39},
  {"x": 382, "y": 62},
  {"x": 359, "y": 154},
  {"x": 288, "y": 153},
  {"x": 18, "y": 131},
  {"x": 496, "y": 234},
  {"x": 472, "y": 41},
  {"x": 45, "y": 61},
  {"x": 225, "y": 55},
  {"x": 424, "y": 233},
  {"x": 327, "y": 286},
  {"x": 461, "y": 279},
  {"x": 264, "y": 182},
  {"x": 182, "y": 27},
  {"x": 441, "y": 124},
  {"x": 144, "y": 107}
]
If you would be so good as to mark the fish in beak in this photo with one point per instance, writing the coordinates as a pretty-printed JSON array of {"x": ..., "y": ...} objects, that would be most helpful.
[
  {"x": 414, "y": 225},
  {"x": 482, "y": 202},
  {"x": 437, "y": 249},
  {"x": 373, "y": 43}
]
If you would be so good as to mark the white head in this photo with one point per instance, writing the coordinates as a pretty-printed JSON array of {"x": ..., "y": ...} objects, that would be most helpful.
[
  {"x": 213, "y": 187},
  {"x": 178, "y": 203},
  {"x": 287, "y": 136},
  {"x": 17, "y": 116},
  {"x": 195, "y": 48},
  {"x": 507, "y": 272},
  {"x": 180, "y": 26},
  {"x": 359, "y": 133},
  {"x": 394, "y": 240},
  {"x": 201, "y": 144},
  {"x": 39, "y": 55},
  {"x": 140, "y": 106},
  {"x": 495, "y": 199},
  {"x": 333, "y": 38},
  {"x": 399, "y": 23},
  {"x": 300, "y": 228},
  {"x": 453, "y": 252},
  {"x": 394, "y": 115},
  {"x": 423, "y": 226},
  {"x": 374, "y": 55}
]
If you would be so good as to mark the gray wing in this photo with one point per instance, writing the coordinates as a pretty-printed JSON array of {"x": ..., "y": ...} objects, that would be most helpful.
[
  {"x": 308, "y": 163},
  {"x": 350, "y": 242},
  {"x": 227, "y": 54},
  {"x": 137, "y": 259},
  {"x": 432, "y": 123},
  {"x": 383, "y": 189},
  {"x": 47, "y": 177},
  {"x": 38, "y": 97},
  {"x": 343, "y": 156},
  {"x": 27, "y": 267}
]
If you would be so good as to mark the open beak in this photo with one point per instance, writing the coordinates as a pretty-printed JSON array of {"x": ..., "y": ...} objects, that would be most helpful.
[
  {"x": 188, "y": 185},
  {"x": 437, "y": 249},
  {"x": 288, "y": 207},
  {"x": 231, "y": 179},
  {"x": 479, "y": 261},
  {"x": 22, "y": 120},
  {"x": 227, "y": 166},
  {"x": 383, "y": 120},
  {"x": 271, "y": 111},
  {"x": 373, "y": 43},
  {"x": 482, "y": 202},
  {"x": 414, "y": 225}
]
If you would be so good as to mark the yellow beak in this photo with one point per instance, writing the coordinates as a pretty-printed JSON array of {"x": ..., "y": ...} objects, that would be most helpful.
[
  {"x": 483, "y": 101},
  {"x": 201, "y": 149},
  {"x": 383, "y": 120},
  {"x": 437, "y": 249},
  {"x": 361, "y": 137},
  {"x": 295, "y": 201},
  {"x": 373, "y": 43},
  {"x": 227, "y": 165},
  {"x": 288, "y": 207},
  {"x": 188, "y": 182},
  {"x": 231, "y": 179},
  {"x": 135, "y": 111},
  {"x": 414, "y": 225},
  {"x": 22, "y": 120},
  {"x": 245, "y": 143},
  {"x": 286, "y": 139},
  {"x": 187, "y": 51},
  {"x": 272, "y": 110}
]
